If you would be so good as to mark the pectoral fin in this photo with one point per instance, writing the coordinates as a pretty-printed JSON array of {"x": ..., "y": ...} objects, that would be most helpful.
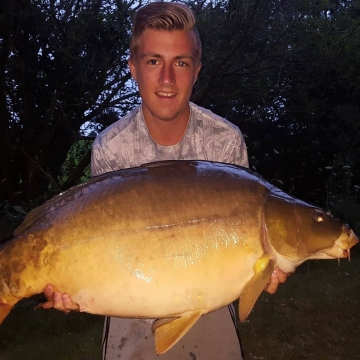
[
  {"x": 169, "y": 331},
  {"x": 254, "y": 287}
]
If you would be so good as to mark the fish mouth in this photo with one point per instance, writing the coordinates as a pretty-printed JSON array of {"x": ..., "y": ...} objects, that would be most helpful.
[{"x": 343, "y": 244}]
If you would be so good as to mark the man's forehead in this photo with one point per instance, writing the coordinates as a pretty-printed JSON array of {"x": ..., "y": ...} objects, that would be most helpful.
[
  {"x": 177, "y": 44},
  {"x": 153, "y": 54}
]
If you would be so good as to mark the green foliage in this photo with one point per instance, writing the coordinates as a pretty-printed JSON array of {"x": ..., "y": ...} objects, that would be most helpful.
[
  {"x": 10, "y": 218},
  {"x": 343, "y": 197},
  {"x": 66, "y": 66},
  {"x": 73, "y": 158}
]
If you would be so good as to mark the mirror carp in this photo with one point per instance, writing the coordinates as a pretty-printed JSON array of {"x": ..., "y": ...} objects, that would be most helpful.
[{"x": 172, "y": 241}]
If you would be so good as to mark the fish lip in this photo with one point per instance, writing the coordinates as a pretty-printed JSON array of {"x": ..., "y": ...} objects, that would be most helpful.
[
  {"x": 347, "y": 239},
  {"x": 342, "y": 246}
]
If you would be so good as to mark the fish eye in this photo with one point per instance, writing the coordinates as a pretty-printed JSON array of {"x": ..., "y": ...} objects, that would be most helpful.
[{"x": 319, "y": 216}]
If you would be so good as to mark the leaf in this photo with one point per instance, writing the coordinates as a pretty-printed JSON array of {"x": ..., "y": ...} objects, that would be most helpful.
[{"x": 19, "y": 209}]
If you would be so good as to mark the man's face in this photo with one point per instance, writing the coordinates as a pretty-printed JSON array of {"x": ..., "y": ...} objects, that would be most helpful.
[{"x": 165, "y": 69}]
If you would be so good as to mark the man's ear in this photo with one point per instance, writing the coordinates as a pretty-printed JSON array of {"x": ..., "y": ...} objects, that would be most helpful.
[{"x": 132, "y": 67}]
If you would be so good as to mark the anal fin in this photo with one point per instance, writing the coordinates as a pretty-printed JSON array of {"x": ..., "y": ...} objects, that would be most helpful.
[
  {"x": 255, "y": 286},
  {"x": 168, "y": 332}
]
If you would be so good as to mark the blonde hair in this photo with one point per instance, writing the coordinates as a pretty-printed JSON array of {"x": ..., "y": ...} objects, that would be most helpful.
[{"x": 167, "y": 16}]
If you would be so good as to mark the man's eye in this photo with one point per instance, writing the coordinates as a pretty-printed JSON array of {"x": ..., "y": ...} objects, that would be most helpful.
[
  {"x": 153, "y": 62},
  {"x": 182, "y": 63}
]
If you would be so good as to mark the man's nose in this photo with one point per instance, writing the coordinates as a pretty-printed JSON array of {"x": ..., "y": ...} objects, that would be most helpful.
[{"x": 167, "y": 75}]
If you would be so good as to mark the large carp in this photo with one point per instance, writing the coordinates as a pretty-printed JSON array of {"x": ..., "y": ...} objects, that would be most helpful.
[{"x": 172, "y": 241}]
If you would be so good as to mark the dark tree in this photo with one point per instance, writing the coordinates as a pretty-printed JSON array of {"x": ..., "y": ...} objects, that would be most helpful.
[{"x": 63, "y": 65}]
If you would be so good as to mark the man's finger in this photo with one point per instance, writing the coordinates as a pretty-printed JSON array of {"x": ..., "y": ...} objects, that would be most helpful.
[
  {"x": 49, "y": 292},
  {"x": 282, "y": 276},
  {"x": 274, "y": 282},
  {"x": 68, "y": 304}
]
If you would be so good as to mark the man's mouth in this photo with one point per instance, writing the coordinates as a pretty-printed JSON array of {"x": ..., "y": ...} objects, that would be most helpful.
[{"x": 165, "y": 94}]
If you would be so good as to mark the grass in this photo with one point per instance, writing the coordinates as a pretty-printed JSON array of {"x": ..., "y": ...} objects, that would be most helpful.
[
  {"x": 49, "y": 334},
  {"x": 315, "y": 315}
]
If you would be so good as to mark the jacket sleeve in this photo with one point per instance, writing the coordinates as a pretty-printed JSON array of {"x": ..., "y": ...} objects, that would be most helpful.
[
  {"x": 100, "y": 162},
  {"x": 240, "y": 153},
  {"x": 234, "y": 149}
]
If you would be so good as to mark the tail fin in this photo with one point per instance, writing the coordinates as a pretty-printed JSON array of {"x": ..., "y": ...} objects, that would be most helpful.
[{"x": 4, "y": 311}]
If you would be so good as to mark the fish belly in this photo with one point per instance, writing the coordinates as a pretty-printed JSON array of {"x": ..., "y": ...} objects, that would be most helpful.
[{"x": 134, "y": 278}]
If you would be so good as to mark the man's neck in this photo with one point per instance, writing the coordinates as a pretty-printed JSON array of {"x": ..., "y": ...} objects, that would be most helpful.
[{"x": 167, "y": 132}]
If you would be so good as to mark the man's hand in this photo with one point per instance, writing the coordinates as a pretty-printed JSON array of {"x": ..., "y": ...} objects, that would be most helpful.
[
  {"x": 58, "y": 301},
  {"x": 277, "y": 277}
]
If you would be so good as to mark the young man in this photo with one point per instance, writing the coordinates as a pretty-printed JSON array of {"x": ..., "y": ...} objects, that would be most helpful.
[{"x": 165, "y": 53}]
